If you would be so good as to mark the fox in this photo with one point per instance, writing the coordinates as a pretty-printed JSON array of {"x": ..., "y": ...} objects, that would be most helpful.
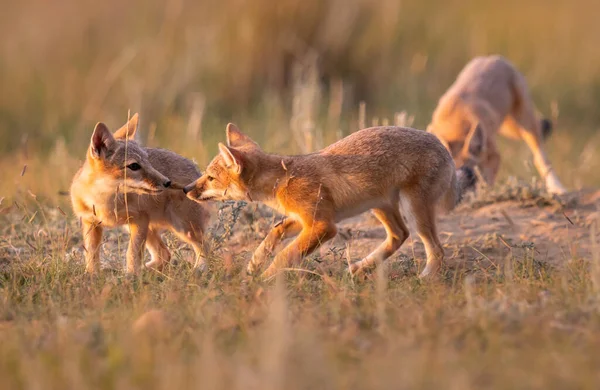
[
  {"x": 371, "y": 169},
  {"x": 122, "y": 183},
  {"x": 491, "y": 96}
]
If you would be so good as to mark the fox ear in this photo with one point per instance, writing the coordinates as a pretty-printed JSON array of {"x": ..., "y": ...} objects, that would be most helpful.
[
  {"x": 232, "y": 158},
  {"x": 475, "y": 142},
  {"x": 236, "y": 138},
  {"x": 102, "y": 139},
  {"x": 128, "y": 130}
]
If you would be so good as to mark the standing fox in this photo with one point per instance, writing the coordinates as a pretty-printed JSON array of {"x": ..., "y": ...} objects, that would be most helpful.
[
  {"x": 491, "y": 96},
  {"x": 371, "y": 169},
  {"x": 122, "y": 183}
]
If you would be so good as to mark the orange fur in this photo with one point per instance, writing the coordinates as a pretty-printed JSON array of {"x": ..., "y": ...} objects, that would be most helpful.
[
  {"x": 490, "y": 96},
  {"x": 123, "y": 183},
  {"x": 368, "y": 170}
]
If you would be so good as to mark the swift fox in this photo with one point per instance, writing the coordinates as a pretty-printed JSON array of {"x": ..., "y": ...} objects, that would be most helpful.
[
  {"x": 491, "y": 96},
  {"x": 372, "y": 169},
  {"x": 123, "y": 183}
]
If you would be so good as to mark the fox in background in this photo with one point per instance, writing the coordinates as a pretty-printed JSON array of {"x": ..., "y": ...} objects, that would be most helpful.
[
  {"x": 124, "y": 184},
  {"x": 372, "y": 169},
  {"x": 489, "y": 97}
]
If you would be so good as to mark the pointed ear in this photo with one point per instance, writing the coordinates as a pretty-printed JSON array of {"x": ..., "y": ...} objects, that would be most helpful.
[
  {"x": 232, "y": 158},
  {"x": 475, "y": 142},
  {"x": 102, "y": 139},
  {"x": 128, "y": 130},
  {"x": 236, "y": 138}
]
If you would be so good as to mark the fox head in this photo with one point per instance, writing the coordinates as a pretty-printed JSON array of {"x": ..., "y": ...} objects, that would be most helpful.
[
  {"x": 120, "y": 162},
  {"x": 467, "y": 152},
  {"x": 228, "y": 175}
]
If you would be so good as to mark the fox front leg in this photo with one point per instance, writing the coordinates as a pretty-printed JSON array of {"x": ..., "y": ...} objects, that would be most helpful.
[
  {"x": 92, "y": 237},
  {"x": 287, "y": 228},
  {"x": 310, "y": 238},
  {"x": 138, "y": 231}
]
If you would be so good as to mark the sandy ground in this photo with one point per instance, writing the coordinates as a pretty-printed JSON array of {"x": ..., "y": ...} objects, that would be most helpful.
[
  {"x": 475, "y": 235},
  {"x": 478, "y": 235}
]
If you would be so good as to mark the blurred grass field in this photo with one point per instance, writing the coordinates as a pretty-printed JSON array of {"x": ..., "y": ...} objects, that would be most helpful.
[
  {"x": 294, "y": 74},
  {"x": 190, "y": 67}
]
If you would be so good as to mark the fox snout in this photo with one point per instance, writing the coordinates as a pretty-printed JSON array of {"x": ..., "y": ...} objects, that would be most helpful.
[
  {"x": 195, "y": 190},
  {"x": 158, "y": 180}
]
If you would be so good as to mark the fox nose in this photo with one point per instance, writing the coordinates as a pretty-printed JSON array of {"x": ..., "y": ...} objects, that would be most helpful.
[
  {"x": 167, "y": 184},
  {"x": 187, "y": 189}
]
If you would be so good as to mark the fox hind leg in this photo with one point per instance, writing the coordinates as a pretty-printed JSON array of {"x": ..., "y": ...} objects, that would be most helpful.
[
  {"x": 159, "y": 252},
  {"x": 542, "y": 163},
  {"x": 423, "y": 211},
  {"x": 194, "y": 235},
  {"x": 397, "y": 233},
  {"x": 529, "y": 128}
]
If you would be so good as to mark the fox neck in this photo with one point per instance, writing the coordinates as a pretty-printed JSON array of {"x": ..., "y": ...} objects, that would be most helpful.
[
  {"x": 267, "y": 172},
  {"x": 100, "y": 185}
]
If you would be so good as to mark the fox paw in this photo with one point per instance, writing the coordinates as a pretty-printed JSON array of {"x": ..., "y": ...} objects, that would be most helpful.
[
  {"x": 431, "y": 271},
  {"x": 155, "y": 265},
  {"x": 252, "y": 269},
  {"x": 553, "y": 185},
  {"x": 354, "y": 269}
]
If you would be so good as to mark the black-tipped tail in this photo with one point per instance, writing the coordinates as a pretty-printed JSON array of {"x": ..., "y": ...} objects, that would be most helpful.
[
  {"x": 463, "y": 180},
  {"x": 467, "y": 179},
  {"x": 546, "y": 126}
]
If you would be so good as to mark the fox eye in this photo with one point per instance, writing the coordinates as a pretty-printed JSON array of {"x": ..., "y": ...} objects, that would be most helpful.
[
  {"x": 210, "y": 178},
  {"x": 134, "y": 166}
]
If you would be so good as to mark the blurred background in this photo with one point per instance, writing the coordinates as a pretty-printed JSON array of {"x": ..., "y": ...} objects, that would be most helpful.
[{"x": 294, "y": 74}]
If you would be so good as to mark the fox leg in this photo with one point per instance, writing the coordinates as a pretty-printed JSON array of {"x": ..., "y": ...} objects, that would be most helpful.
[
  {"x": 158, "y": 250},
  {"x": 310, "y": 238},
  {"x": 138, "y": 231},
  {"x": 492, "y": 164},
  {"x": 530, "y": 131},
  {"x": 92, "y": 237},
  {"x": 423, "y": 211},
  {"x": 397, "y": 233},
  {"x": 542, "y": 163},
  {"x": 194, "y": 236},
  {"x": 287, "y": 227}
]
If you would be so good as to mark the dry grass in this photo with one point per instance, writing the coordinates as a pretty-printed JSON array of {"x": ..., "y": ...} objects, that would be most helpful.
[{"x": 522, "y": 325}]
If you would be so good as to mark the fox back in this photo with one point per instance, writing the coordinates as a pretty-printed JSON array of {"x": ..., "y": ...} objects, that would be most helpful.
[{"x": 353, "y": 173}]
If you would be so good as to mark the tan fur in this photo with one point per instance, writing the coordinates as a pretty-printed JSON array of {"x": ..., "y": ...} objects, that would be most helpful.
[
  {"x": 490, "y": 96},
  {"x": 106, "y": 192},
  {"x": 368, "y": 170}
]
